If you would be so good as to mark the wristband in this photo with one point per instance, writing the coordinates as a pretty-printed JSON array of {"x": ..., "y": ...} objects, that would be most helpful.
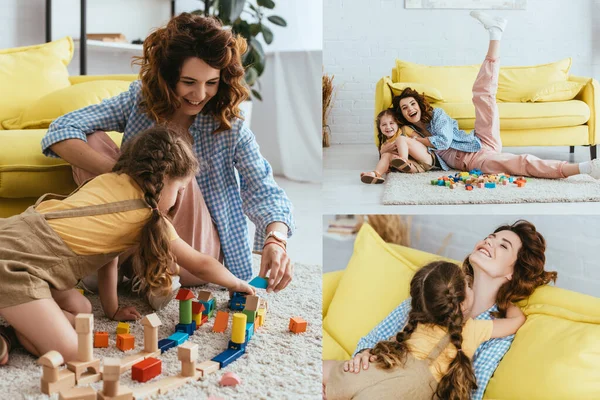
[
  {"x": 115, "y": 314},
  {"x": 277, "y": 243}
]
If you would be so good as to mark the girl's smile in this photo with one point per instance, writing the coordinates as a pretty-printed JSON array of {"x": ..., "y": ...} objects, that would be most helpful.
[{"x": 388, "y": 126}]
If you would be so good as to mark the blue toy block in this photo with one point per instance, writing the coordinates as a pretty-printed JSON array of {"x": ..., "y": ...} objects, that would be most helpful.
[
  {"x": 209, "y": 307},
  {"x": 490, "y": 185},
  {"x": 179, "y": 337},
  {"x": 511, "y": 179},
  {"x": 237, "y": 346},
  {"x": 441, "y": 182},
  {"x": 249, "y": 331},
  {"x": 186, "y": 328},
  {"x": 259, "y": 282},
  {"x": 166, "y": 344},
  {"x": 237, "y": 302},
  {"x": 228, "y": 356}
]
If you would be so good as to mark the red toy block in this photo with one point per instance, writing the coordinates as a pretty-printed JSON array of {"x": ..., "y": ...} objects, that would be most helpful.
[
  {"x": 520, "y": 183},
  {"x": 100, "y": 339},
  {"x": 197, "y": 307},
  {"x": 469, "y": 187},
  {"x": 146, "y": 369},
  {"x": 221, "y": 322},
  {"x": 204, "y": 319},
  {"x": 297, "y": 325},
  {"x": 125, "y": 341}
]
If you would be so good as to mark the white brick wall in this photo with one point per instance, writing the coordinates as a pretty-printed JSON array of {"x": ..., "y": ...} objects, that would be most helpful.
[
  {"x": 572, "y": 242},
  {"x": 362, "y": 40}
]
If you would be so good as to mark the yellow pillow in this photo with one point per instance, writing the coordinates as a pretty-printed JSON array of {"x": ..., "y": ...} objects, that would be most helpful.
[
  {"x": 555, "y": 91},
  {"x": 375, "y": 282},
  {"x": 556, "y": 353},
  {"x": 28, "y": 73},
  {"x": 431, "y": 94},
  {"x": 516, "y": 83},
  {"x": 454, "y": 83},
  {"x": 42, "y": 112}
]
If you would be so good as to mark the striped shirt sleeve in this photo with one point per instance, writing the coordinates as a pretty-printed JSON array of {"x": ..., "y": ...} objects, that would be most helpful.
[
  {"x": 442, "y": 130},
  {"x": 391, "y": 325},
  {"x": 110, "y": 115}
]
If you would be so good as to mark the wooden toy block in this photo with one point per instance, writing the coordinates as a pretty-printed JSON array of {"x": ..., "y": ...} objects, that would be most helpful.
[
  {"x": 151, "y": 323},
  {"x": 215, "y": 398},
  {"x": 434, "y": 181},
  {"x": 259, "y": 321},
  {"x": 185, "y": 297},
  {"x": 249, "y": 331},
  {"x": 252, "y": 303},
  {"x": 197, "y": 318},
  {"x": 89, "y": 377},
  {"x": 297, "y": 325},
  {"x": 221, "y": 322},
  {"x": 453, "y": 186},
  {"x": 122, "y": 327},
  {"x": 504, "y": 182},
  {"x": 262, "y": 304},
  {"x": 204, "y": 319},
  {"x": 84, "y": 369},
  {"x": 186, "y": 328},
  {"x": 520, "y": 183},
  {"x": 179, "y": 337},
  {"x": 197, "y": 307},
  {"x": 187, "y": 353},
  {"x": 468, "y": 187},
  {"x": 166, "y": 344},
  {"x": 227, "y": 357},
  {"x": 259, "y": 282},
  {"x": 237, "y": 346},
  {"x": 208, "y": 367},
  {"x": 146, "y": 369},
  {"x": 100, "y": 339},
  {"x": 230, "y": 379},
  {"x": 84, "y": 323},
  {"x": 237, "y": 301},
  {"x": 204, "y": 295},
  {"x": 250, "y": 315},
  {"x": 174, "y": 382},
  {"x": 481, "y": 185},
  {"x": 125, "y": 341},
  {"x": 78, "y": 393},
  {"x": 238, "y": 328},
  {"x": 111, "y": 388},
  {"x": 490, "y": 185},
  {"x": 53, "y": 378},
  {"x": 212, "y": 307}
]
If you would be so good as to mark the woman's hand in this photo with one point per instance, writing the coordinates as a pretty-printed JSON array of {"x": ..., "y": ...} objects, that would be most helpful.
[
  {"x": 363, "y": 358},
  {"x": 127, "y": 314},
  {"x": 276, "y": 260}
]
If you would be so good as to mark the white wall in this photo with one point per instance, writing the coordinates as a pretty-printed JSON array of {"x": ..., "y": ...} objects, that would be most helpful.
[{"x": 362, "y": 40}]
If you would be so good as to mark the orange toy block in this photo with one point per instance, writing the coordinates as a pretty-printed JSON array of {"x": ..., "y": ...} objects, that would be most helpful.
[
  {"x": 297, "y": 325},
  {"x": 221, "y": 321},
  {"x": 100, "y": 339},
  {"x": 125, "y": 341}
]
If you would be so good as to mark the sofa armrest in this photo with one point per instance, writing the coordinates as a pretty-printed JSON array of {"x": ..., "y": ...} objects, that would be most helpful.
[
  {"x": 75, "y": 79},
  {"x": 331, "y": 281},
  {"x": 383, "y": 100},
  {"x": 590, "y": 94}
]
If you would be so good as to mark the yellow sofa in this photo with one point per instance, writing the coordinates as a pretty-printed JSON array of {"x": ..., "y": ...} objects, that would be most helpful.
[
  {"x": 555, "y": 354},
  {"x": 539, "y": 105},
  {"x": 36, "y": 89}
]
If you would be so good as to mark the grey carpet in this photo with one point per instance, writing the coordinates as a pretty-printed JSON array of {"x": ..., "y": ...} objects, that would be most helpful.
[
  {"x": 417, "y": 189},
  {"x": 277, "y": 365}
]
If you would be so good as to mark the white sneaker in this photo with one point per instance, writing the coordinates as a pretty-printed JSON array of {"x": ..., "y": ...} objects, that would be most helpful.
[
  {"x": 595, "y": 168},
  {"x": 160, "y": 302},
  {"x": 489, "y": 21}
]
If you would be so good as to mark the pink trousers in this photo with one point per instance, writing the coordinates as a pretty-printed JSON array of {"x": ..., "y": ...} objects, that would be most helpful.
[
  {"x": 190, "y": 217},
  {"x": 490, "y": 159}
]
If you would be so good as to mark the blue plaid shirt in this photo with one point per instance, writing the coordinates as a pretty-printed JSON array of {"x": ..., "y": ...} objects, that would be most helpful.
[
  {"x": 485, "y": 360},
  {"x": 446, "y": 135},
  {"x": 257, "y": 195}
]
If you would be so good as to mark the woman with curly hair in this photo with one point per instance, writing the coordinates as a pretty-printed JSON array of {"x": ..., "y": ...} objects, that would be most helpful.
[
  {"x": 191, "y": 79},
  {"x": 482, "y": 149},
  {"x": 504, "y": 268},
  {"x": 431, "y": 357}
]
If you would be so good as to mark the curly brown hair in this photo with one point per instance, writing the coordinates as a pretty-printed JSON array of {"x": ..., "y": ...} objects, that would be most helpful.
[
  {"x": 528, "y": 272},
  {"x": 149, "y": 158},
  {"x": 185, "y": 36},
  {"x": 437, "y": 292},
  {"x": 426, "y": 109},
  {"x": 380, "y": 136}
]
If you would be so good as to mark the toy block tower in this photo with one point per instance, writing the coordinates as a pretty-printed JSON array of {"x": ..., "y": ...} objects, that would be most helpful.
[
  {"x": 206, "y": 298},
  {"x": 197, "y": 309},
  {"x": 187, "y": 353},
  {"x": 112, "y": 390},
  {"x": 84, "y": 326},
  {"x": 54, "y": 379},
  {"x": 186, "y": 324},
  {"x": 237, "y": 344},
  {"x": 151, "y": 323}
]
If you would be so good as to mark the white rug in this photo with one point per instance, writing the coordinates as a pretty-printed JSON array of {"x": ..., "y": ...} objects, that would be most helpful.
[
  {"x": 417, "y": 189},
  {"x": 277, "y": 365}
]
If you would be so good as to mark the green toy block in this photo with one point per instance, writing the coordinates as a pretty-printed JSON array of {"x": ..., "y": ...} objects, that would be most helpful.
[{"x": 250, "y": 314}]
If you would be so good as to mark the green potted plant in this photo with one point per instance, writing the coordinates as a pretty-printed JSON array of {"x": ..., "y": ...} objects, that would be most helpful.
[{"x": 248, "y": 20}]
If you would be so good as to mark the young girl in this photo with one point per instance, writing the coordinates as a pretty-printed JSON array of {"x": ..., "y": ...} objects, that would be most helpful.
[
  {"x": 397, "y": 150},
  {"x": 431, "y": 357},
  {"x": 48, "y": 248},
  {"x": 483, "y": 149}
]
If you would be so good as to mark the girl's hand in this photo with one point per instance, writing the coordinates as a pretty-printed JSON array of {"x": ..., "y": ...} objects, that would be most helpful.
[
  {"x": 243, "y": 287},
  {"x": 127, "y": 314},
  {"x": 276, "y": 260},
  {"x": 364, "y": 357}
]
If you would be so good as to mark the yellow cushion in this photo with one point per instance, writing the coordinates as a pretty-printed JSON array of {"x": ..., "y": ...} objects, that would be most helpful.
[
  {"x": 516, "y": 83},
  {"x": 555, "y": 91},
  {"x": 568, "y": 136},
  {"x": 431, "y": 94},
  {"x": 453, "y": 82},
  {"x": 331, "y": 281},
  {"x": 332, "y": 349},
  {"x": 556, "y": 353},
  {"x": 28, "y": 73},
  {"x": 42, "y": 112},
  {"x": 524, "y": 115},
  {"x": 375, "y": 281}
]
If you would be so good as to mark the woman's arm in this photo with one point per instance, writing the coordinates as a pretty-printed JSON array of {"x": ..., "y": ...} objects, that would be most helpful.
[
  {"x": 486, "y": 360},
  {"x": 207, "y": 268},
  {"x": 509, "y": 325},
  {"x": 441, "y": 129},
  {"x": 66, "y": 136}
]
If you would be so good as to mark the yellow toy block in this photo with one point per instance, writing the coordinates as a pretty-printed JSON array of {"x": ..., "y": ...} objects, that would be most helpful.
[{"x": 122, "y": 327}]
